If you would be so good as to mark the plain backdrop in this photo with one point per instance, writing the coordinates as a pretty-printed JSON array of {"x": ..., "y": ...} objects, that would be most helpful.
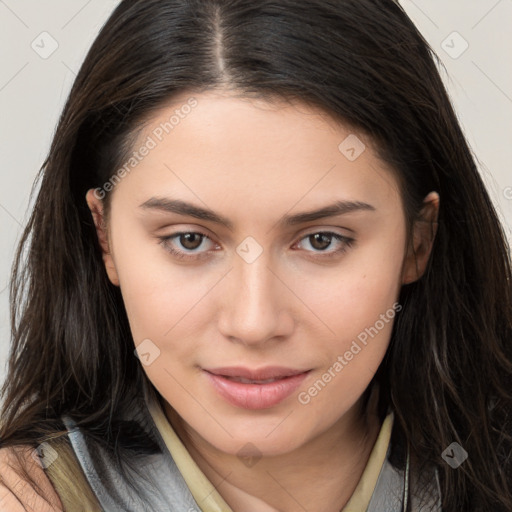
[{"x": 42, "y": 45}]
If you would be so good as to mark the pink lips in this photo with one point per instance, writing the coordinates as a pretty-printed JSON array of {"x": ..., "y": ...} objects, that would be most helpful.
[{"x": 255, "y": 389}]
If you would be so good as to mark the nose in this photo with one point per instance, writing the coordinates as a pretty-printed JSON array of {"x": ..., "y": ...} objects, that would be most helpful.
[{"x": 255, "y": 304}]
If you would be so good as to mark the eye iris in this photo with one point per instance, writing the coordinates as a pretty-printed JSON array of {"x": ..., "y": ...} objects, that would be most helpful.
[
  {"x": 326, "y": 239},
  {"x": 187, "y": 238}
]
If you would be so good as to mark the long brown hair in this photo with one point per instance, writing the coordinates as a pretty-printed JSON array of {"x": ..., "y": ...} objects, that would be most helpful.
[{"x": 447, "y": 374}]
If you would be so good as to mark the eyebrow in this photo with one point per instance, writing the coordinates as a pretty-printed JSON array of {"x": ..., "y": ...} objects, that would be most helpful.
[{"x": 184, "y": 208}]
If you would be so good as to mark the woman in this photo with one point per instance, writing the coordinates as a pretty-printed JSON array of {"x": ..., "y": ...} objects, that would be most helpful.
[{"x": 263, "y": 273}]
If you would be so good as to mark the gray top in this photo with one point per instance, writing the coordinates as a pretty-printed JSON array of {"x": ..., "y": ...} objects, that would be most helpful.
[{"x": 156, "y": 485}]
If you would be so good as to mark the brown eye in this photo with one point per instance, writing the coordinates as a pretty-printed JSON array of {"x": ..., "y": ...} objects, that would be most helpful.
[
  {"x": 187, "y": 245},
  {"x": 190, "y": 241},
  {"x": 323, "y": 240},
  {"x": 320, "y": 241}
]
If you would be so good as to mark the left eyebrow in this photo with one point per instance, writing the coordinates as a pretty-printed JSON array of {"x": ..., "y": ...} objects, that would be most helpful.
[{"x": 184, "y": 208}]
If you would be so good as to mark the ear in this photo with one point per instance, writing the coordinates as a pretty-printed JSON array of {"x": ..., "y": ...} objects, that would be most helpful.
[
  {"x": 96, "y": 206},
  {"x": 420, "y": 247}
]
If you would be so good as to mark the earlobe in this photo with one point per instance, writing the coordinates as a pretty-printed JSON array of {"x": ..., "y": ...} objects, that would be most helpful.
[
  {"x": 423, "y": 236},
  {"x": 96, "y": 207}
]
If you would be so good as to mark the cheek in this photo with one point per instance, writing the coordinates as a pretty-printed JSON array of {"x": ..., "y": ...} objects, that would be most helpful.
[
  {"x": 358, "y": 306},
  {"x": 361, "y": 316},
  {"x": 162, "y": 306},
  {"x": 353, "y": 295},
  {"x": 157, "y": 293}
]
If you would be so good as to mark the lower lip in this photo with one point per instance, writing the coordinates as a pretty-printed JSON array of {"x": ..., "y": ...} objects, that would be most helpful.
[{"x": 256, "y": 396}]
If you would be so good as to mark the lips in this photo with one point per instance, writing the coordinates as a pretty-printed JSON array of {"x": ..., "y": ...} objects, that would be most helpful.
[
  {"x": 255, "y": 388},
  {"x": 269, "y": 372},
  {"x": 251, "y": 381}
]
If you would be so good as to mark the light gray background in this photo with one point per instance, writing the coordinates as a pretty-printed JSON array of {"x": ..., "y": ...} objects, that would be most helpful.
[{"x": 33, "y": 90}]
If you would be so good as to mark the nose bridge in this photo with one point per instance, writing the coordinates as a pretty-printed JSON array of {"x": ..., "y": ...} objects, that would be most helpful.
[{"x": 252, "y": 306}]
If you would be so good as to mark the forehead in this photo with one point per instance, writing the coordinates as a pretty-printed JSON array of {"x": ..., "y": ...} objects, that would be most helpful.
[{"x": 232, "y": 150}]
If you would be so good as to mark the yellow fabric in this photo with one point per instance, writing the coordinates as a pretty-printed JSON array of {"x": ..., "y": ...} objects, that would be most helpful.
[
  {"x": 204, "y": 493},
  {"x": 69, "y": 481},
  {"x": 208, "y": 498},
  {"x": 362, "y": 494}
]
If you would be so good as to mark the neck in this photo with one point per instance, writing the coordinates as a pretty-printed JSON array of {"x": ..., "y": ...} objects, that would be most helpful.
[{"x": 320, "y": 475}]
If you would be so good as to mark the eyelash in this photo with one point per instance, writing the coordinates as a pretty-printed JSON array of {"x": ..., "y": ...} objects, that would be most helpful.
[{"x": 164, "y": 241}]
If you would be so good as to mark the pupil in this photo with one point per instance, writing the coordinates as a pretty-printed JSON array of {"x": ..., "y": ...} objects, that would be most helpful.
[
  {"x": 187, "y": 237},
  {"x": 326, "y": 239}
]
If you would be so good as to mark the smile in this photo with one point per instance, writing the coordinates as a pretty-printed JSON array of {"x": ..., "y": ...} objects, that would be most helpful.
[{"x": 255, "y": 389}]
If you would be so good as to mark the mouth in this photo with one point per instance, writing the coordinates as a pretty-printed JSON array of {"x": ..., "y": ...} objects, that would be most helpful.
[
  {"x": 260, "y": 375},
  {"x": 255, "y": 389},
  {"x": 252, "y": 381}
]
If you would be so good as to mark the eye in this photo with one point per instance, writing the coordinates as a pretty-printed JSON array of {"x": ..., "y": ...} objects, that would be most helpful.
[
  {"x": 188, "y": 244},
  {"x": 322, "y": 240},
  {"x": 188, "y": 240}
]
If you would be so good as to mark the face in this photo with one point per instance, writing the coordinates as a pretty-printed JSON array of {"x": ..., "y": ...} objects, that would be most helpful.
[{"x": 260, "y": 249}]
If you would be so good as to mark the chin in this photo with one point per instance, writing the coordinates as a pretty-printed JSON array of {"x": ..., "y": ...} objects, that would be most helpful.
[{"x": 259, "y": 440}]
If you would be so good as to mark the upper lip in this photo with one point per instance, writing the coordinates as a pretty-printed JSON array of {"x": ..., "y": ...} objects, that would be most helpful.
[{"x": 268, "y": 372}]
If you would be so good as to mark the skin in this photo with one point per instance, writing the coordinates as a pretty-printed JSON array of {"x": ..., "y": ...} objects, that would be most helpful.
[
  {"x": 254, "y": 162},
  {"x": 18, "y": 495}
]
